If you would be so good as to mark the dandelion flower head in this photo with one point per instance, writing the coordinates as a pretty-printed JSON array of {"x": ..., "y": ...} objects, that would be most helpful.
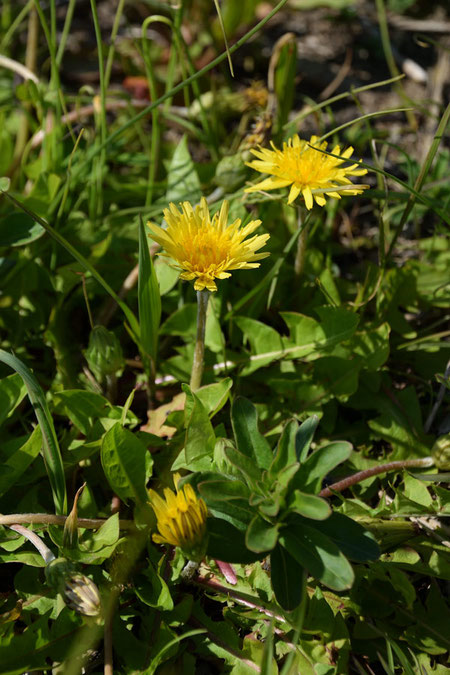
[
  {"x": 181, "y": 519},
  {"x": 206, "y": 248},
  {"x": 308, "y": 171}
]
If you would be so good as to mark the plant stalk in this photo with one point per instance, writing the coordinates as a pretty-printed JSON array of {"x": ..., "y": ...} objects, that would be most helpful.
[
  {"x": 374, "y": 471},
  {"x": 301, "y": 245},
  {"x": 198, "y": 364}
]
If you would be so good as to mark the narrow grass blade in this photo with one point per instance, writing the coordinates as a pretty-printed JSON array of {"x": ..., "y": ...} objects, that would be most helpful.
[
  {"x": 50, "y": 448},
  {"x": 149, "y": 298}
]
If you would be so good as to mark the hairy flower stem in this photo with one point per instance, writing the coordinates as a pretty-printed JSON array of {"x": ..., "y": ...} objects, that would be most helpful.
[
  {"x": 374, "y": 471},
  {"x": 301, "y": 245},
  {"x": 197, "y": 366},
  {"x": 36, "y": 541},
  {"x": 50, "y": 519}
]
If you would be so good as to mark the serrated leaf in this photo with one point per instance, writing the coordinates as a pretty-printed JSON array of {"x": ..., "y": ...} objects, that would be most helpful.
[
  {"x": 249, "y": 441},
  {"x": 126, "y": 463},
  {"x": 182, "y": 180}
]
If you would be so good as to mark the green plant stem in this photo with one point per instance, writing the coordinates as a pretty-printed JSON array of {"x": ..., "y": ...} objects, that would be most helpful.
[
  {"x": 37, "y": 542},
  {"x": 197, "y": 366},
  {"x": 390, "y": 60},
  {"x": 298, "y": 621},
  {"x": 375, "y": 471},
  {"x": 50, "y": 519},
  {"x": 301, "y": 245},
  {"x": 111, "y": 51}
]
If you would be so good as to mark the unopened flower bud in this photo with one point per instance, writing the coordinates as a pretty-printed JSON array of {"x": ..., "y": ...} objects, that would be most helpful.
[
  {"x": 230, "y": 172},
  {"x": 81, "y": 594},
  {"x": 441, "y": 452},
  {"x": 77, "y": 590},
  {"x": 104, "y": 353}
]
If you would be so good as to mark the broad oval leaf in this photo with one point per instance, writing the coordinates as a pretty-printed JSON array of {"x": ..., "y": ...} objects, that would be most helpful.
[
  {"x": 287, "y": 577},
  {"x": 227, "y": 543},
  {"x": 355, "y": 541},
  {"x": 309, "y": 506},
  {"x": 317, "y": 553},
  {"x": 261, "y": 535}
]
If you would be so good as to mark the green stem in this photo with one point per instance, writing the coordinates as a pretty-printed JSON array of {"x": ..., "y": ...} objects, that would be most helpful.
[
  {"x": 197, "y": 366},
  {"x": 375, "y": 471},
  {"x": 301, "y": 245}
]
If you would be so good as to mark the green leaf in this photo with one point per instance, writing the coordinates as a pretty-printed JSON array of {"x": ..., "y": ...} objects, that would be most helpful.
[
  {"x": 83, "y": 407},
  {"x": 312, "y": 472},
  {"x": 16, "y": 456},
  {"x": 19, "y": 229},
  {"x": 317, "y": 554},
  {"x": 12, "y": 392},
  {"x": 151, "y": 588},
  {"x": 285, "y": 454},
  {"x": 182, "y": 180},
  {"x": 227, "y": 543},
  {"x": 354, "y": 541},
  {"x": 149, "y": 298},
  {"x": 249, "y": 441},
  {"x": 285, "y": 77},
  {"x": 286, "y": 576},
  {"x": 312, "y": 338},
  {"x": 200, "y": 437},
  {"x": 223, "y": 490},
  {"x": 304, "y": 437},
  {"x": 261, "y": 536},
  {"x": 263, "y": 340},
  {"x": 214, "y": 396},
  {"x": 126, "y": 463},
  {"x": 246, "y": 466},
  {"x": 50, "y": 446},
  {"x": 309, "y": 506}
]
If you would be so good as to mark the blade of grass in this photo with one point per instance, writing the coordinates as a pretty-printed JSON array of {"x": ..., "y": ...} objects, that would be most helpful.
[
  {"x": 421, "y": 177},
  {"x": 266, "y": 661},
  {"x": 339, "y": 97},
  {"x": 222, "y": 28},
  {"x": 149, "y": 298},
  {"x": 50, "y": 447},
  {"x": 297, "y": 622}
]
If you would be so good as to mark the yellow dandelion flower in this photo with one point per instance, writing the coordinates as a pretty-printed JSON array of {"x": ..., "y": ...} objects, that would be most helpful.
[
  {"x": 205, "y": 248},
  {"x": 181, "y": 519},
  {"x": 309, "y": 172}
]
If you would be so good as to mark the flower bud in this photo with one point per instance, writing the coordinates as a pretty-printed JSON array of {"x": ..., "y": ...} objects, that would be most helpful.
[
  {"x": 77, "y": 590},
  {"x": 104, "y": 353},
  {"x": 230, "y": 172},
  {"x": 441, "y": 452}
]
